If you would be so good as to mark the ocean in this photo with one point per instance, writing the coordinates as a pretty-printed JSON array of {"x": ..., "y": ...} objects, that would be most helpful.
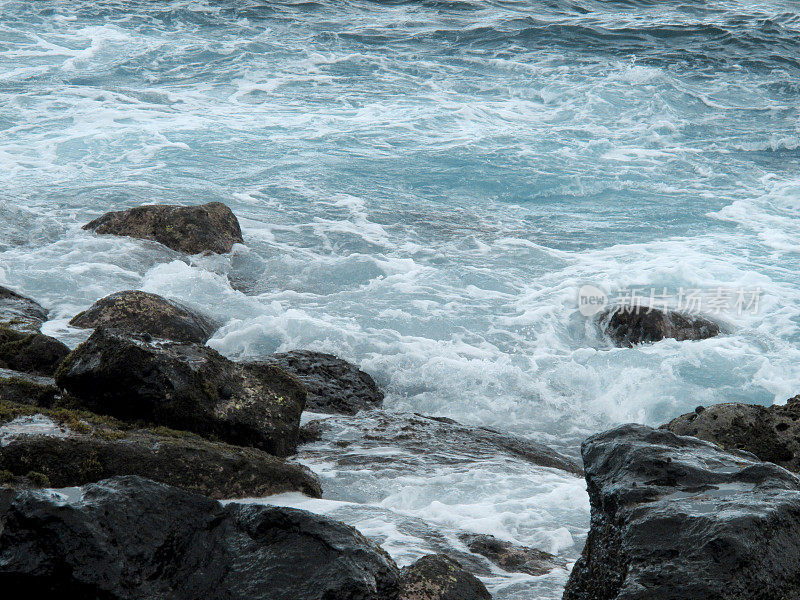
[{"x": 423, "y": 187}]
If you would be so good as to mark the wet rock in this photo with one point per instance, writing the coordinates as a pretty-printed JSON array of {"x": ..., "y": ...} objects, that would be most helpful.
[
  {"x": 642, "y": 325},
  {"x": 439, "y": 577},
  {"x": 511, "y": 557},
  {"x": 432, "y": 439},
  {"x": 27, "y": 389},
  {"x": 72, "y": 448},
  {"x": 192, "y": 229},
  {"x": 19, "y": 312},
  {"x": 771, "y": 433},
  {"x": 134, "y": 311},
  {"x": 334, "y": 385},
  {"x": 34, "y": 353},
  {"x": 185, "y": 386},
  {"x": 677, "y": 517},
  {"x": 129, "y": 538}
]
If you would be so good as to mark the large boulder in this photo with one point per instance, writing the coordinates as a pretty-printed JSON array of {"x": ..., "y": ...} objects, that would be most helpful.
[
  {"x": 133, "y": 311},
  {"x": 675, "y": 517},
  {"x": 129, "y": 538},
  {"x": 72, "y": 448},
  {"x": 185, "y": 386},
  {"x": 20, "y": 312},
  {"x": 424, "y": 439},
  {"x": 771, "y": 433},
  {"x": 640, "y": 325},
  {"x": 334, "y": 385},
  {"x": 34, "y": 353},
  {"x": 511, "y": 557},
  {"x": 439, "y": 577},
  {"x": 208, "y": 227}
]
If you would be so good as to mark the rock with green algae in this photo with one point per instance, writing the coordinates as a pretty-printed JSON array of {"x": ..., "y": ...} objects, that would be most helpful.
[
  {"x": 439, "y": 577},
  {"x": 185, "y": 386},
  {"x": 208, "y": 227},
  {"x": 66, "y": 448},
  {"x": 19, "y": 312},
  {"x": 25, "y": 388},
  {"x": 134, "y": 311},
  {"x": 34, "y": 353}
]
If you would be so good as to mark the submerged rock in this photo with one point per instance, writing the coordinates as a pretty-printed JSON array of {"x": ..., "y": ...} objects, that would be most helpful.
[
  {"x": 192, "y": 229},
  {"x": 19, "y": 312},
  {"x": 25, "y": 388},
  {"x": 435, "y": 439},
  {"x": 771, "y": 433},
  {"x": 34, "y": 353},
  {"x": 134, "y": 311},
  {"x": 511, "y": 557},
  {"x": 677, "y": 518},
  {"x": 334, "y": 385},
  {"x": 185, "y": 386},
  {"x": 643, "y": 325},
  {"x": 72, "y": 448},
  {"x": 129, "y": 538},
  {"x": 439, "y": 577}
]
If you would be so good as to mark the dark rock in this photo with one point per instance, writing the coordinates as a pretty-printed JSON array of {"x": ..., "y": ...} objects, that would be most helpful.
[
  {"x": 771, "y": 433},
  {"x": 677, "y": 518},
  {"x": 643, "y": 325},
  {"x": 27, "y": 389},
  {"x": 334, "y": 385},
  {"x": 439, "y": 577},
  {"x": 511, "y": 557},
  {"x": 34, "y": 353},
  {"x": 311, "y": 432},
  {"x": 185, "y": 386},
  {"x": 192, "y": 229},
  {"x": 433, "y": 439},
  {"x": 72, "y": 448},
  {"x": 19, "y": 312},
  {"x": 140, "y": 312},
  {"x": 129, "y": 538}
]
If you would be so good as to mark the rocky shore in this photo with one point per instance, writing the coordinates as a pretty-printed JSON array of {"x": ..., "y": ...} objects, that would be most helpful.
[{"x": 115, "y": 457}]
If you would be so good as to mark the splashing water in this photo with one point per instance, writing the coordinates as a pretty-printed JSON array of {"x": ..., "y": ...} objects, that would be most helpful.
[{"x": 423, "y": 186}]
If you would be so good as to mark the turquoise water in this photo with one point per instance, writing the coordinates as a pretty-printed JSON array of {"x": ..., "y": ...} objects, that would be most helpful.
[{"x": 423, "y": 186}]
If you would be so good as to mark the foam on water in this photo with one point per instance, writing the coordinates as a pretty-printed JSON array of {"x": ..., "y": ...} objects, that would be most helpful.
[{"x": 423, "y": 186}]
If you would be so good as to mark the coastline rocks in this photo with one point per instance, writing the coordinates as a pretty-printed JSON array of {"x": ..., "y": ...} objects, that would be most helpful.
[
  {"x": 134, "y": 311},
  {"x": 334, "y": 385},
  {"x": 185, "y": 386},
  {"x": 33, "y": 353},
  {"x": 643, "y": 325},
  {"x": 208, "y": 227},
  {"x": 19, "y": 312},
  {"x": 25, "y": 388},
  {"x": 424, "y": 438},
  {"x": 439, "y": 577},
  {"x": 676, "y": 517},
  {"x": 129, "y": 538},
  {"x": 771, "y": 433},
  {"x": 511, "y": 557},
  {"x": 73, "y": 448}
]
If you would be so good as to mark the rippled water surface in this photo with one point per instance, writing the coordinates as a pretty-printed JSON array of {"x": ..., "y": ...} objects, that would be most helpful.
[{"x": 422, "y": 188}]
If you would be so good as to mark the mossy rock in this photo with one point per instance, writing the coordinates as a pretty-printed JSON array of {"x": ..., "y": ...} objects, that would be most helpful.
[
  {"x": 24, "y": 388},
  {"x": 134, "y": 311},
  {"x": 209, "y": 227},
  {"x": 34, "y": 353},
  {"x": 65, "y": 448},
  {"x": 19, "y": 312},
  {"x": 439, "y": 577}
]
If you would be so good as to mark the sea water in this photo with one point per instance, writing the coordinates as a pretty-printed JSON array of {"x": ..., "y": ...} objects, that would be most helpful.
[{"x": 423, "y": 187}]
